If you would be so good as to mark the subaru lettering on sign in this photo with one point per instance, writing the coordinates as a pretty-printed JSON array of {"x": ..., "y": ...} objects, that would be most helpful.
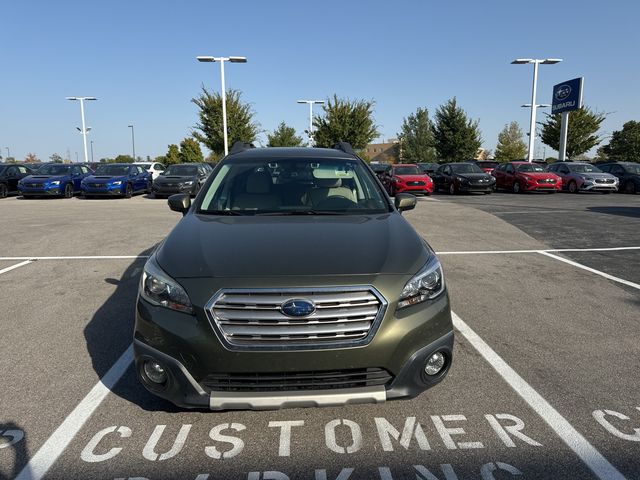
[{"x": 567, "y": 96}]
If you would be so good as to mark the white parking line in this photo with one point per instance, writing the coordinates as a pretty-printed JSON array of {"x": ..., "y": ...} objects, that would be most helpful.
[
  {"x": 56, "y": 444},
  {"x": 599, "y": 465},
  {"x": 592, "y": 270},
  {"x": 550, "y": 250},
  {"x": 17, "y": 265},
  {"x": 87, "y": 257}
]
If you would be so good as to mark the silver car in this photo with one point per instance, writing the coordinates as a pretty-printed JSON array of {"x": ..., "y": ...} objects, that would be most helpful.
[{"x": 582, "y": 176}]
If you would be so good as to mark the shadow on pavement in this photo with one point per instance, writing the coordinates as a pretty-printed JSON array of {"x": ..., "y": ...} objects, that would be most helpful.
[
  {"x": 12, "y": 437},
  {"x": 110, "y": 332},
  {"x": 620, "y": 211}
]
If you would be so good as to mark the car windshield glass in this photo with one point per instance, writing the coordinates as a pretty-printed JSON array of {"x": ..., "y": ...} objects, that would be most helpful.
[
  {"x": 112, "y": 170},
  {"x": 182, "y": 170},
  {"x": 2, "y": 169},
  {"x": 485, "y": 164},
  {"x": 465, "y": 168},
  {"x": 583, "y": 168},
  {"x": 631, "y": 168},
  {"x": 293, "y": 186},
  {"x": 146, "y": 166},
  {"x": 407, "y": 171},
  {"x": 54, "y": 169},
  {"x": 530, "y": 167}
]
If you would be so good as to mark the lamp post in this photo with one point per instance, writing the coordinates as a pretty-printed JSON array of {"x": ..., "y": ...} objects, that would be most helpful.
[
  {"x": 84, "y": 129},
  {"x": 8, "y": 153},
  {"x": 133, "y": 142},
  {"x": 91, "y": 151},
  {"x": 311, "y": 104},
  {"x": 224, "y": 92},
  {"x": 536, "y": 62}
]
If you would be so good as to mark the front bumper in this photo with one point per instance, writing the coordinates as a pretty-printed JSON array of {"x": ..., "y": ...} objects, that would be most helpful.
[
  {"x": 599, "y": 187},
  {"x": 427, "y": 188},
  {"x": 531, "y": 187},
  {"x": 470, "y": 187},
  {"x": 163, "y": 190},
  {"x": 40, "y": 191},
  {"x": 189, "y": 350},
  {"x": 106, "y": 190}
]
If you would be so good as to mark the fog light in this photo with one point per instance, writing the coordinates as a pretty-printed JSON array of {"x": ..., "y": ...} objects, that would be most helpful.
[
  {"x": 434, "y": 364},
  {"x": 154, "y": 372}
]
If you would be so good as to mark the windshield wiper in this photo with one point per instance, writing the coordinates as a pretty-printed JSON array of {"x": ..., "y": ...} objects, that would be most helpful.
[
  {"x": 222, "y": 212},
  {"x": 302, "y": 212}
]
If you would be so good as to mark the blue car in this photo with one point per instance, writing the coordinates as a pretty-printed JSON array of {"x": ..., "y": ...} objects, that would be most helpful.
[
  {"x": 117, "y": 180},
  {"x": 54, "y": 180}
]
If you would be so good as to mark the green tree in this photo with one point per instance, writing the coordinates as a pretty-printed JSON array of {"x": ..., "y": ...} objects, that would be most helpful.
[
  {"x": 173, "y": 155},
  {"x": 416, "y": 138},
  {"x": 123, "y": 159},
  {"x": 240, "y": 122},
  {"x": 510, "y": 144},
  {"x": 190, "y": 151},
  {"x": 345, "y": 121},
  {"x": 284, "y": 136},
  {"x": 582, "y": 134},
  {"x": 624, "y": 144},
  {"x": 55, "y": 158},
  {"x": 457, "y": 138}
]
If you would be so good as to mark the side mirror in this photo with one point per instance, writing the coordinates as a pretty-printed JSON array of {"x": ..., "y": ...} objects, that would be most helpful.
[
  {"x": 180, "y": 202},
  {"x": 405, "y": 201}
]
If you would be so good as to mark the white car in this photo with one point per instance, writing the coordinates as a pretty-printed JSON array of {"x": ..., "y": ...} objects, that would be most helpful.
[{"x": 154, "y": 168}]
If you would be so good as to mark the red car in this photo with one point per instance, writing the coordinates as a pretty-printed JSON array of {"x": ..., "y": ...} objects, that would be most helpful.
[
  {"x": 408, "y": 178},
  {"x": 487, "y": 166},
  {"x": 526, "y": 177}
]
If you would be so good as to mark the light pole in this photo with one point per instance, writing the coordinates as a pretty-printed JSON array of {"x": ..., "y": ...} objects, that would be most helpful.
[
  {"x": 224, "y": 92},
  {"x": 84, "y": 129},
  {"x": 8, "y": 153},
  {"x": 536, "y": 62},
  {"x": 311, "y": 104},
  {"x": 91, "y": 151},
  {"x": 133, "y": 142}
]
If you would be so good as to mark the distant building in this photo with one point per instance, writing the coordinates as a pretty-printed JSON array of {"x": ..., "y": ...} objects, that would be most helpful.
[{"x": 386, "y": 152}]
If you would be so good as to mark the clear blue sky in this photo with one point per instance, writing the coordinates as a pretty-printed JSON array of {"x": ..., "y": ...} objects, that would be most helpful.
[{"x": 138, "y": 58}]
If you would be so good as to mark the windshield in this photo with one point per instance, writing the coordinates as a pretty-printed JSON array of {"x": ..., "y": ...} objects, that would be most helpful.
[
  {"x": 487, "y": 164},
  {"x": 2, "y": 169},
  {"x": 631, "y": 168},
  {"x": 54, "y": 169},
  {"x": 583, "y": 168},
  {"x": 146, "y": 166},
  {"x": 407, "y": 171},
  {"x": 529, "y": 167},
  {"x": 465, "y": 168},
  {"x": 291, "y": 186},
  {"x": 182, "y": 170},
  {"x": 112, "y": 170}
]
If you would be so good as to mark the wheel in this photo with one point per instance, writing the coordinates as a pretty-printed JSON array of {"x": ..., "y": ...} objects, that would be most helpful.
[
  {"x": 4, "y": 191},
  {"x": 452, "y": 188},
  {"x": 68, "y": 191},
  {"x": 629, "y": 187},
  {"x": 517, "y": 188},
  {"x": 128, "y": 191},
  {"x": 148, "y": 189},
  {"x": 573, "y": 187}
]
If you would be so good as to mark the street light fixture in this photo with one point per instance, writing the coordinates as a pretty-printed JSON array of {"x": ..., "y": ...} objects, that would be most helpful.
[
  {"x": 91, "y": 151},
  {"x": 84, "y": 129},
  {"x": 311, "y": 104},
  {"x": 133, "y": 142},
  {"x": 205, "y": 58},
  {"x": 532, "y": 105}
]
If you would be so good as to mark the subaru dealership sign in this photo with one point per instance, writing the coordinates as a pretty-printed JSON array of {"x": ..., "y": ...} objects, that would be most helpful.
[{"x": 567, "y": 96}]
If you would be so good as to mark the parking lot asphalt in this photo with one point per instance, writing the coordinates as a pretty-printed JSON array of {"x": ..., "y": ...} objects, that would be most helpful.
[{"x": 544, "y": 384}]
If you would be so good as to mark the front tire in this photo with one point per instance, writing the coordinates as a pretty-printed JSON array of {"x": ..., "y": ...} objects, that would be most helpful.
[
  {"x": 517, "y": 188},
  {"x": 4, "y": 191},
  {"x": 128, "y": 191},
  {"x": 68, "y": 191},
  {"x": 452, "y": 189},
  {"x": 630, "y": 187},
  {"x": 148, "y": 189},
  {"x": 573, "y": 187}
]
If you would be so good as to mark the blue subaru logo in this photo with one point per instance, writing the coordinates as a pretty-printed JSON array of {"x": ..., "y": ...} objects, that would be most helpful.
[
  {"x": 298, "y": 307},
  {"x": 563, "y": 92}
]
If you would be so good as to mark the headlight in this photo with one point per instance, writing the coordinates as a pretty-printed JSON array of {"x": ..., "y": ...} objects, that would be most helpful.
[
  {"x": 55, "y": 182},
  {"x": 188, "y": 183},
  {"x": 427, "y": 284},
  {"x": 160, "y": 289},
  {"x": 119, "y": 182},
  {"x": 462, "y": 179}
]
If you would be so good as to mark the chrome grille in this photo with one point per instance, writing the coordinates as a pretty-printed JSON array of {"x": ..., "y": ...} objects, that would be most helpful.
[
  {"x": 605, "y": 180},
  {"x": 253, "y": 319},
  {"x": 547, "y": 180}
]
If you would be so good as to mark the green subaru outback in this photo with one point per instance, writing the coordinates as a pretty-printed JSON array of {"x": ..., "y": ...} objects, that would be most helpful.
[{"x": 292, "y": 280}]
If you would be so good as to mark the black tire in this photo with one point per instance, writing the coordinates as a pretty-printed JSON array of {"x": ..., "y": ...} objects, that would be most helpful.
[
  {"x": 68, "y": 191},
  {"x": 517, "y": 188},
  {"x": 452, "y": 189},
  {"x": 4, "y": 191},
  {"x": 573, "y": 187},
  {"x": 630, "y": 187},
  {"x": 128, "y": 191},
  {"x": 148, "y": 189}
]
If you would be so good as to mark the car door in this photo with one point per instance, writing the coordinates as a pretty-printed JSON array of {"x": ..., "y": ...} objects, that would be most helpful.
[
  {"x": 619, "y": 172},
  {"x": 76, "y": 177},
  {"x": 13, "y": 176},
  {"x": 509, "y": 176}
]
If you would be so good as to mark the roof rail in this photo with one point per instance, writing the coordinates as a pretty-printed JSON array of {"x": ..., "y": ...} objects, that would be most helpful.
[
  {"x": 345, "y": 147},
  {"x": 240, "y": 146}
]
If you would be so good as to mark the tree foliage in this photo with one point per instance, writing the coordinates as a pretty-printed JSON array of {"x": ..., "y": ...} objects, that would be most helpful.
[
  {"x": 624, "y": 144},
  {"x": 457, "y": 138},
  {"x": 510, "y": 144},
  {"x": 240, "y": 122},
  {"x": 582, "y": 134},
  {"x": 416, "y": 138},
  {"x": 55, "y": 158},
  {"x": 173, "y": 155},
  {"x": 190, "y": 151},
  {"x": 284, "y": 136},
  {"x": 123, "y": 159},
  {"x": 31, "y": 158},
  {"x": 345, "y": 121}
]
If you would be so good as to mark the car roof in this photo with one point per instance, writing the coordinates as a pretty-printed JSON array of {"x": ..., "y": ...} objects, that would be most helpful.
[
  {"x": 181, "y": 164},
  {"x": 405, "y": 165},
  {"x": 289, "y": 152}
]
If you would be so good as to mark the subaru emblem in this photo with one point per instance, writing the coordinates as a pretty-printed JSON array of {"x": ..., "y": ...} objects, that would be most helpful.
[
  {"x": 298, "y": 307},
  {"x": 563, "y": 92}
]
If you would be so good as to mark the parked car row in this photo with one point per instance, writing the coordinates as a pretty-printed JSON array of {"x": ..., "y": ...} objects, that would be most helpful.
[
  {"x": 107, "y": 180},
  {"x": 516, "y": 176}
]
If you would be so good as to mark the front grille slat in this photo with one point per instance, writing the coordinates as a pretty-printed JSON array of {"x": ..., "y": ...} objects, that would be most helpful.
[{"x": 253, "y": 319}]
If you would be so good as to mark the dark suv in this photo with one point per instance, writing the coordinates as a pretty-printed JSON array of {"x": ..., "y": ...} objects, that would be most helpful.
[
  {"x": 627, "y": 173},
  {"x": 10, "y": 175},
  {"x": 292, "y": 280}
]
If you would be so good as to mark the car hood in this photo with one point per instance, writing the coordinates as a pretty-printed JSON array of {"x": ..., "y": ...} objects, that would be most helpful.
[
  {"x": 106, "y": 178},
  {"x": 415, "y": 178},
  {"x": 254, "y": 246},
  {"x": 175, "y": 178},
  {"x": 44, "y": 178},
  {"x": 538, "y": 175},
  {"x": 473, "y": 176},
  {"x": 592, "y": 175}
]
